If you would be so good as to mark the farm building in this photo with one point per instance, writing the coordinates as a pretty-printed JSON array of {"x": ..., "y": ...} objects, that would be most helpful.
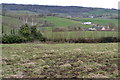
[
  {"x": 106, "y": 29},
  {"x": 103, "y": 29},
  {"x": 69, "y": 16},
  {"x": 95, "y": 28},
  {"x": 91, "y": 16},
  {"x": 100, "y": 28},
  {"x": 92, "y": 29},
  {"x": 87, "y": 23}
]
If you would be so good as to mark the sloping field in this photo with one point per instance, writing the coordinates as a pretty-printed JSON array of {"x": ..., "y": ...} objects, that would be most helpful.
[
  {"x": 10, "y": 23},
  {"x": 98, "y": 20},
  {"x": 63, "y": 22}
]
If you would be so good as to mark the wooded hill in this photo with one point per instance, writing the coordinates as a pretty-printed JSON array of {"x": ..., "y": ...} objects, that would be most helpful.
[{"x": 77, "y": 11}]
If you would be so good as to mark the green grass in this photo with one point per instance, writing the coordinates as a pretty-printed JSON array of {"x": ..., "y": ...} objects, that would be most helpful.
[
  {"x": 19, "y": 13},
  {"x": 33, "y": 60},
  {"x": 99, "y": 21},
  {"x": 80, "y": 34},
  {"x": 63, "y": 22},
  {"x": 10, "y": 20},
  {"x": 10, "y": 23},
  {"x": 59, "y": 22}
]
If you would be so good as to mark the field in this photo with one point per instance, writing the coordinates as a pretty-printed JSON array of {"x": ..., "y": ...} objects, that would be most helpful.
[
  {"x": 80, "y": 34},
  {"x": 76, "y": 22},
  {"x": 33, "y": 60},
  {"x": 63, "y": 22},
  {"x": 98, "y": 21}
]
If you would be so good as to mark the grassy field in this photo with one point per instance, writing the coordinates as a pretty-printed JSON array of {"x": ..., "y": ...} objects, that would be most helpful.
[
  {"x": 80, "y": 34},
  {"x": 63, "y": 22},
  {"x": 98, "y": 21},
  {"x": 33, "y": 60},
  {"x": 10, "y": 23}
]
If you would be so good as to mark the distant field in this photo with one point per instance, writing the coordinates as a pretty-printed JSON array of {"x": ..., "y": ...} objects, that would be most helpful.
[
  {"x": 33, "y": 60},
  {"x": 19, "y": 13},
  {"x": 80, "y": 34},
  {"x": 98, "y": 21},
  {"x": 63, "y": 22},
  {"x": 10, "y": 23}
]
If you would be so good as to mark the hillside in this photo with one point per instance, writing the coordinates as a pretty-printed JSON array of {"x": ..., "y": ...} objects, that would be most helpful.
[
  {"x": 76, "y": 22},
  {"x": 63, "y": 10},
  {"x": 53, "y": 22},
  {"x": 63, "y": 22},
  {"x": 98, "y": 20}
]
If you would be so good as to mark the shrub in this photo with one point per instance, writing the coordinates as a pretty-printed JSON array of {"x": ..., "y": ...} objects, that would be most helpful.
[
  {"x": 0, "y": 39},
  {"x": 25, "y": 31},
  {"x": 13, "y": 39},
  {"x": 39, "y": 36},
  {"x": 109, "y": 39},
  {"x": 31, "y": 33}
]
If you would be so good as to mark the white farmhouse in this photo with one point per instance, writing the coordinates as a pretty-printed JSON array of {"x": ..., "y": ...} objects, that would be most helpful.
[
  {"x": 103, "y": 29},
  {"x": 91, "y": 16},
  {"x": 92, "y": 29},
  {"x": 87, "y": 23}
]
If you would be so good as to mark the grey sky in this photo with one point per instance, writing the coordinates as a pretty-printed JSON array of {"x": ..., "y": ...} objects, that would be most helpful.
[{"x": 85, "y": 3}]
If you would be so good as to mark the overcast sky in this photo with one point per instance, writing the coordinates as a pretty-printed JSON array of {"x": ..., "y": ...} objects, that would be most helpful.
[{"x": 84, "y": 3}]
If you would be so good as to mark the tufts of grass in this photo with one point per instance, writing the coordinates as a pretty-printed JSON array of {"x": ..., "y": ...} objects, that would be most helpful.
[{"x": 59, "y": 60}]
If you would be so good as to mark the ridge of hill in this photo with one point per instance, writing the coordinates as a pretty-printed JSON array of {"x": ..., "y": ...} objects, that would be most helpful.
[{"x": 64, "y": 10}]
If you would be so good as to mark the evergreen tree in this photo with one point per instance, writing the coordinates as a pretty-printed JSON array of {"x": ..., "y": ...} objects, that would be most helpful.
[{"x": 25, "y": 31}]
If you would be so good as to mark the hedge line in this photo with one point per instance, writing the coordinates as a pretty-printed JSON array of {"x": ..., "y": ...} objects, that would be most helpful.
[
  {"x": 8, "y": 39},
  {"x": 86, "y": 40}
]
